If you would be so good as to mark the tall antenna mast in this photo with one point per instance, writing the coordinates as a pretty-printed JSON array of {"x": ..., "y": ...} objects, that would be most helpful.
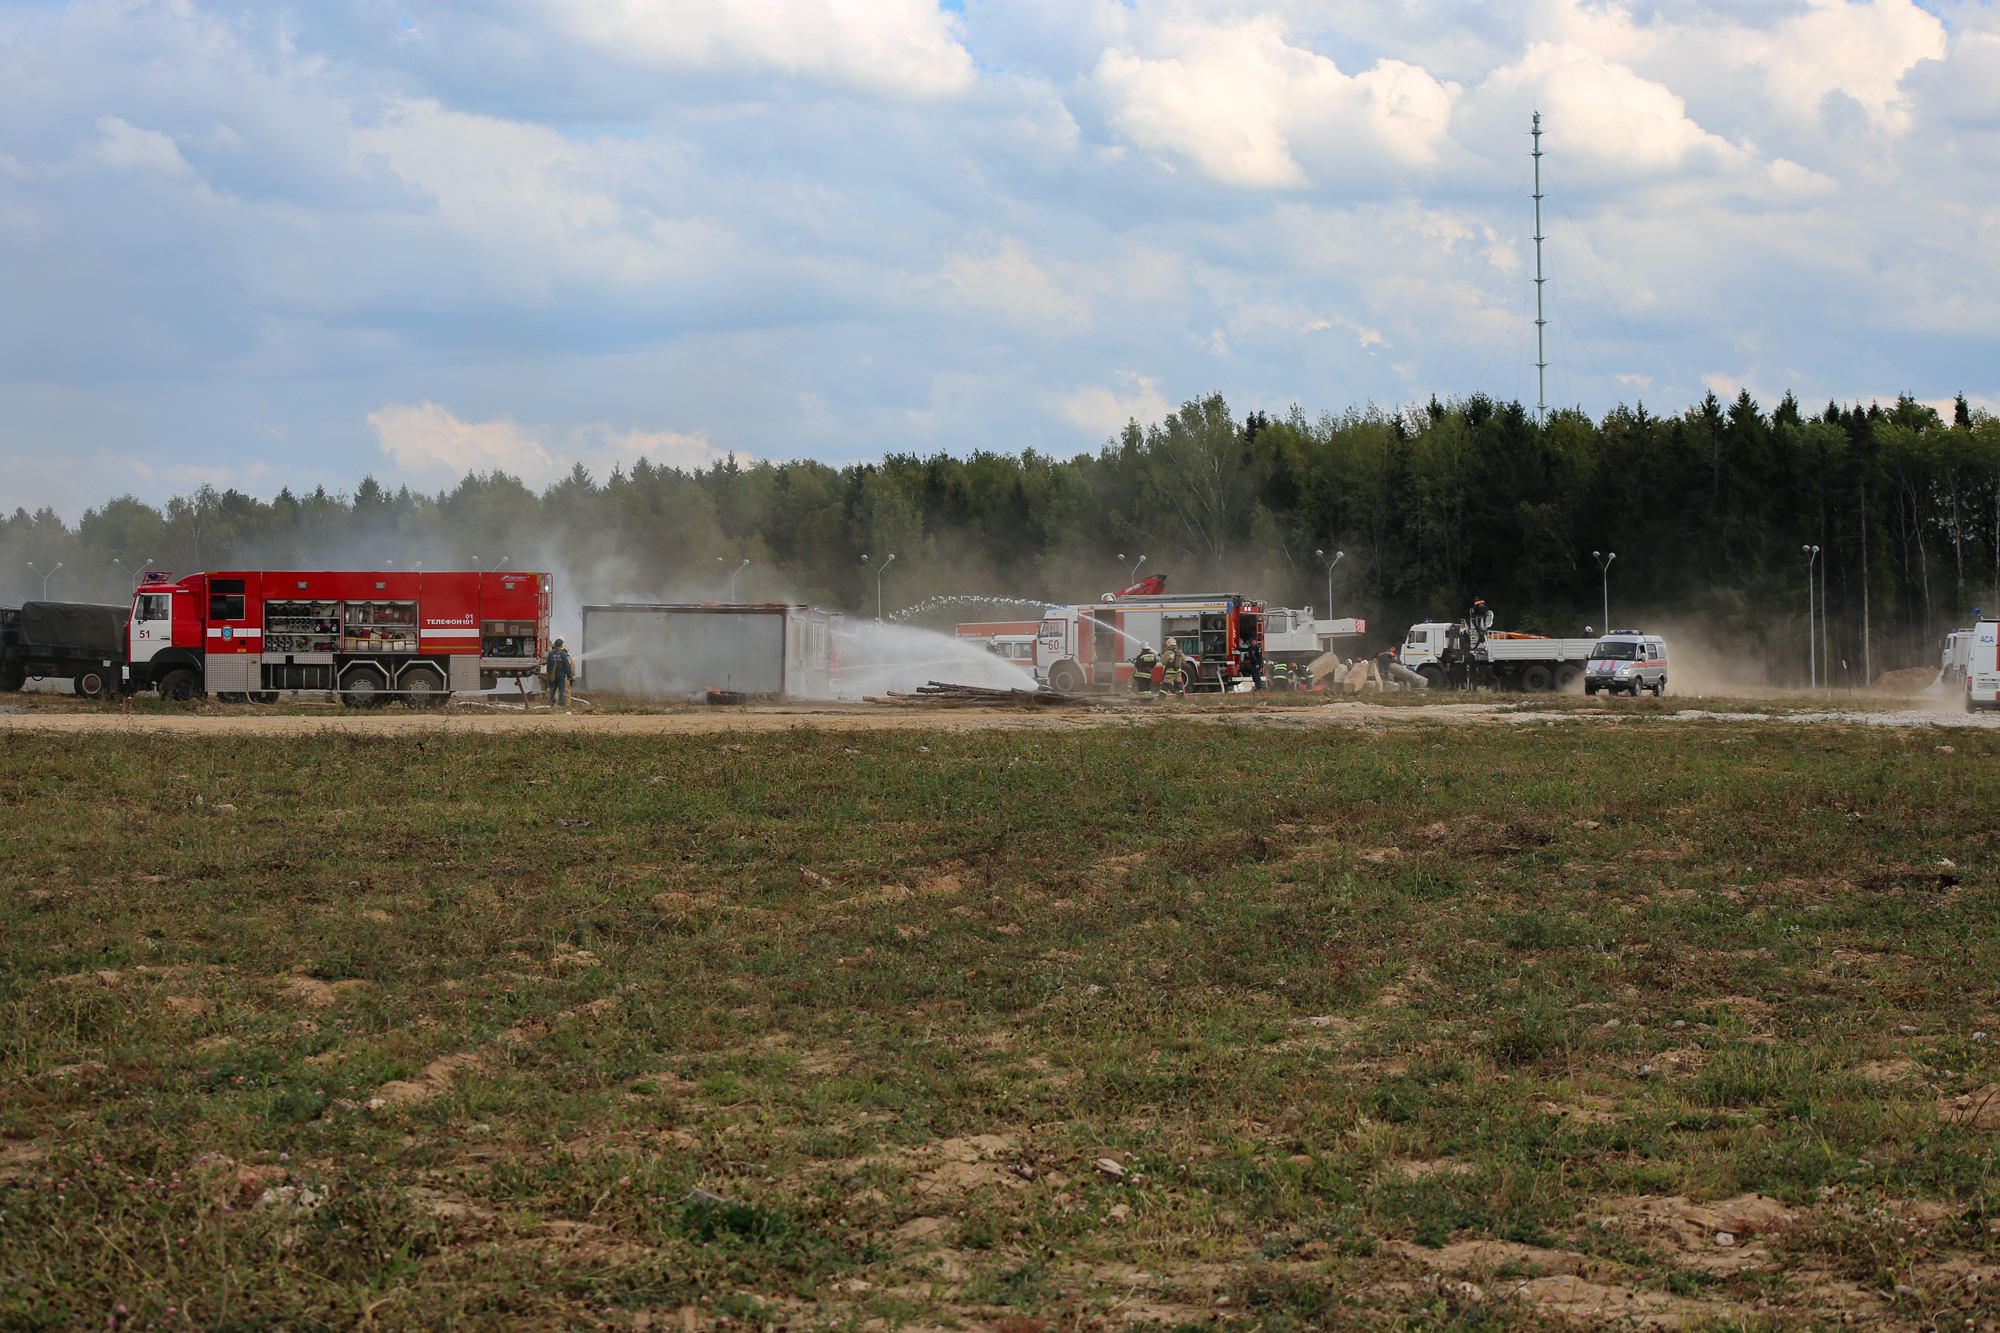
[{"x": 1541, "y": 354}]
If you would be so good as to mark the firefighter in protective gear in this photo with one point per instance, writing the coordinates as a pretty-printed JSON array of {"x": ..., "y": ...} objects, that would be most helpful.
[
  {"x": 1281, "y": 676},
  {"x": 1251, "y": 663},
  {"x": 1172, "y": 659},
  {"x": 1142, "y": 668},
  {"x": 561, "y": 672}
]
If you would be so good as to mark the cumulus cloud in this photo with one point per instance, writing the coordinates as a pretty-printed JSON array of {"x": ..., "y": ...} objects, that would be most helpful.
[
  {"x": 1602, "y": 110},
  {"x": 905, "y": 48},
  {"x": 1103, "y": 409},
  {"x": 1007, "y": 280},
  {"x": 1241, "y": 104},
  {"x": 428, "y": 444},
  {"x": 126, "y": 147}
]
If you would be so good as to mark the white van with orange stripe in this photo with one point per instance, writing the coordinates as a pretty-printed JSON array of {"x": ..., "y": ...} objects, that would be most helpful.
[{"x": 1626, "y": 661}]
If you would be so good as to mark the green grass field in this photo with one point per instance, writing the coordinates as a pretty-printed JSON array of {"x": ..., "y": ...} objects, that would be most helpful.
[{"x": 1419, "y": 1025}]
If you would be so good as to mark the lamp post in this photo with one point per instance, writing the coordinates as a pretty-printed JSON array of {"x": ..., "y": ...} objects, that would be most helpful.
[
  {"x": 45, "y": 577},
  {"x": 482, "y": 568},
  {"x": 1132, "y": 571},
  {"x": 1604, "y": 568},
  {"x": 880, "y": 570},
  {"x": 1338, "y": 556},
  {"x": 1812, "y": 649},
  {"x": 135, "y": 577},
  {"x": 732, "y": 574}
]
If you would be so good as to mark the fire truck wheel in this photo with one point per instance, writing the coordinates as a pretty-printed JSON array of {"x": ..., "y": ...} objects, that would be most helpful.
[
  {"x": 1065, "y": 678},
  {"x": 1566, "y": 677},
  {"x": 1536, "y": 679},
  {"x": 180, "y": 686},
  {"x": 264, "y": 697},
  {"x": 1433, "y": 675},
  {"x": 363, "y": 688},
  {"x": 423, "y": 687},
  {"x": 92, "y": 683}
]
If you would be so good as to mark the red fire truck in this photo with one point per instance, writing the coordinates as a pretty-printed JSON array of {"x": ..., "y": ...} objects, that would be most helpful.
[
  {"x": 1081, "y": 646},
  {"x": 370, "y": 636}
]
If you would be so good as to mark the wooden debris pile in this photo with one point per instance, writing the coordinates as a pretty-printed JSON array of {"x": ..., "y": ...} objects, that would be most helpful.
[{"x": 943, "y": 694}]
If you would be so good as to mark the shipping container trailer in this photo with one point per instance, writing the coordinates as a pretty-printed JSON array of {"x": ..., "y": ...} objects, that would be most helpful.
[{"x": 679, "y": 650}]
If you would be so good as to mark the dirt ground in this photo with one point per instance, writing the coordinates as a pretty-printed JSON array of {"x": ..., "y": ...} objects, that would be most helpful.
[{"x": 48, "y": 713}]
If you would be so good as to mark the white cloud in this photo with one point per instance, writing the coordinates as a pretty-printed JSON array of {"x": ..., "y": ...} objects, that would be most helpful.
[
  {"x": 421, "y": 438},
  {"x": 429, "y": 443},
  {"x": 1008, "y": 281},
  {"x": 1238, "y": 100},
  {"x": 540, "y": 205},
  {"x": 126, "y": 147},
  {"x": 1103, "y": 410},
  {"x": 903, "y": 48},
  {"x": 1601, "y": 109},
  {"x": 1861, "y": 50}
]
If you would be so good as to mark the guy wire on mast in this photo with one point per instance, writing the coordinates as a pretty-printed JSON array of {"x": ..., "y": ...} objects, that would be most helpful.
[{"x": 1541, "y": 355}]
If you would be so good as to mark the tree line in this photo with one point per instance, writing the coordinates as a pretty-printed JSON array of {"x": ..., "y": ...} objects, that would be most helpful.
[{"x": 1428, "y": 507}]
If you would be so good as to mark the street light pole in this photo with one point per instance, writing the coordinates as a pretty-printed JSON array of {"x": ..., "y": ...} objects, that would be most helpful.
[
  {"x": 1812, "y": 648},
  {"x": 732, "y": 575},
  {"x": 1131, "y": 572},
  {"x": 45, "y": 577},
  {"x": 1338, "y": 556},
  {"x": 135, "y": 577},
  {"x": 1604, "y": 568},
  {"x": 880, "y": 570}
]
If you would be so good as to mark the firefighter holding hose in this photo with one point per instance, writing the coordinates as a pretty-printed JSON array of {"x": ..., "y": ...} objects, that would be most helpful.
[
  {"x": 561, "y": 671},
  {"x": 1142, "y": 668}
]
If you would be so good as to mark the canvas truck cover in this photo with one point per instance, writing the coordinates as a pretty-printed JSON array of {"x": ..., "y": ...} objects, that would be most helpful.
[{"x": 91, "y": 626}]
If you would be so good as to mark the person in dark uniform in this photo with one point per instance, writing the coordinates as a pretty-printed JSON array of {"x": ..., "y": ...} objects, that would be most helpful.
[
  {"x": 561, "y": 672},
  {"x": 1252, "y": 662},
  {"x": 1281, "y": 677},
  {"x": 1142, "y": 668}
]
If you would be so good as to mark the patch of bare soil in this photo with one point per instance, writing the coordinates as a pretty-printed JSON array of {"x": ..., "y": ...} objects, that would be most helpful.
[
  {"x": 1552, "y": 1283},
  {"x": 1719, "y": 1237},
  {"x": 968, "y": 1164},
  {"x": 435, "y": 1077}
]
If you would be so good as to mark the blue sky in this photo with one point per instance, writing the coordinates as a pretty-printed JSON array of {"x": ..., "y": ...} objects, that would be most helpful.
[{"x": 259, "y": 245}]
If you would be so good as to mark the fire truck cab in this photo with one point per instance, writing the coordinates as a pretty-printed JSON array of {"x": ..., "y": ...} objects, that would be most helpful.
[
  {"x": 370, "y": 636},
  {"x": 1083, "y": 647}
]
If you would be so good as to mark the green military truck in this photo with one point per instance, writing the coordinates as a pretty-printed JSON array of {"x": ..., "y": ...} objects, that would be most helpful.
[{"x": 82, "y": 642}]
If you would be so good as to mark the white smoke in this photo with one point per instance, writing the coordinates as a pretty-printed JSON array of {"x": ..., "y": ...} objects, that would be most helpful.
[{"x": 875, "y": 658}]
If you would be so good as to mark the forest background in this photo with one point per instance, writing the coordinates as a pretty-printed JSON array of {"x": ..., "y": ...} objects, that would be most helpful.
[{"x": 1708, "y": 513}]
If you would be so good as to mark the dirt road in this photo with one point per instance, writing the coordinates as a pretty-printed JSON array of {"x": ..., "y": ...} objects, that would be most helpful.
[{"x": 244, "y": 720}]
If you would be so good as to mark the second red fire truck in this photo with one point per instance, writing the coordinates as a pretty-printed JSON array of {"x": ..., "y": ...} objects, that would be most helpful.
[{"x": 1081, "y": 646}]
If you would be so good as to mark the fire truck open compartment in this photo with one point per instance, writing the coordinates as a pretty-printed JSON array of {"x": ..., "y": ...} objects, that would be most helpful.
[{"x": 681, "y": 650}]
